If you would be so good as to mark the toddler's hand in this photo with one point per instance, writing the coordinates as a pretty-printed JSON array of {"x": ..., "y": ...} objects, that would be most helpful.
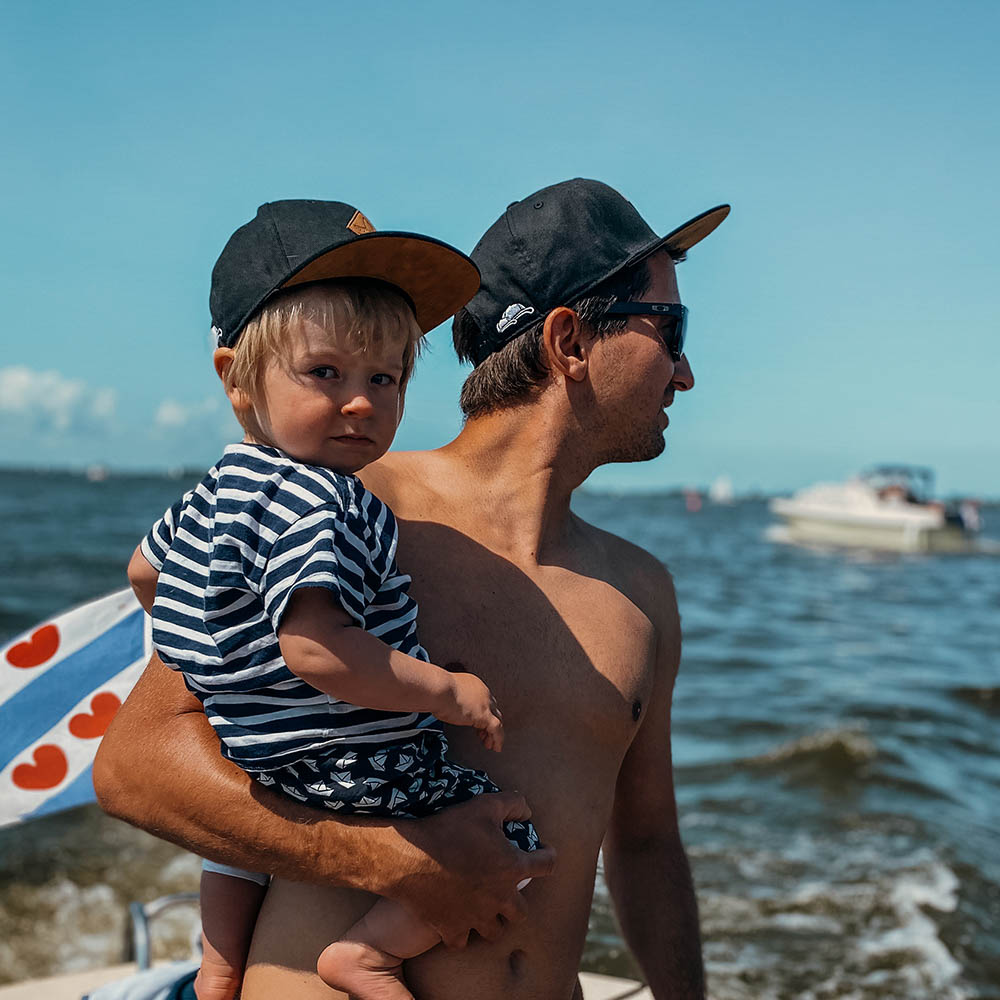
[{"x": 471, "y": 704}]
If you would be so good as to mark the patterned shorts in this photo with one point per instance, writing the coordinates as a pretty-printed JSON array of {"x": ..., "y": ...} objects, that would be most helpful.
[{"x": 406, "y": 780}]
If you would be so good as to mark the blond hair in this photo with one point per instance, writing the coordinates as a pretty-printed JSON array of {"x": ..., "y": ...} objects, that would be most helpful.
[{"x": 363, "y": 314}]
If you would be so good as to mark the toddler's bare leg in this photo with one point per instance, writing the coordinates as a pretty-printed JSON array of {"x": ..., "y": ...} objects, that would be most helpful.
[
  {"x": 367, "y": 962},
  {"x": 229, "y": 908}
]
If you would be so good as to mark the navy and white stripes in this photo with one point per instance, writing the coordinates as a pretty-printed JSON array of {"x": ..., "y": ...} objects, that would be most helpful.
[{"x": 230, "y": 554}]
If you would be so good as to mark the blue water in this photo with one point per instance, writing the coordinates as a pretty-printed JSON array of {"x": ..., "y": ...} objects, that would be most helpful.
[{"x": 835, "y": 745}]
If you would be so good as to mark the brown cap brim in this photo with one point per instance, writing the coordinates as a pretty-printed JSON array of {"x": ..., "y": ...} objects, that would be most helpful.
[
  {"x": 679, "y": 240},
  {"x": 696, "y": 229},
  {"x": 437, "y": 278}
]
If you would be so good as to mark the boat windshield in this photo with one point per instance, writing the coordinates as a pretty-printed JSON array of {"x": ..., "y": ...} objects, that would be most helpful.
[{"x": 913, "y": 483}]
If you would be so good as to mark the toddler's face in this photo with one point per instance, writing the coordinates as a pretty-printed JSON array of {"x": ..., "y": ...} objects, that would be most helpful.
[{"x": 326, "y": 405}]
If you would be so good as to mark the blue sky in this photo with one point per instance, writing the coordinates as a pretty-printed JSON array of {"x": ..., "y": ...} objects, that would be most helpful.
[{"x": 845, "y": 314}]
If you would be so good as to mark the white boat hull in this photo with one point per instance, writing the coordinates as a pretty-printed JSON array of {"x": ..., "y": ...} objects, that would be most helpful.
[
  {"x": 841, "y": 528},
  {"x": 871, "y": 513}
]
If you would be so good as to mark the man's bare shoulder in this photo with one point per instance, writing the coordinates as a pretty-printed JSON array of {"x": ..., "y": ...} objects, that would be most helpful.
[
  {"x": 397, "y": 475},
  {"x": 643, "y": 578}
]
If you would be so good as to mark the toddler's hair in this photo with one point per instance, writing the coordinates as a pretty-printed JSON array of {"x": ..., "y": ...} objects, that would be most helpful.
[{"x": 364, "y": 314}]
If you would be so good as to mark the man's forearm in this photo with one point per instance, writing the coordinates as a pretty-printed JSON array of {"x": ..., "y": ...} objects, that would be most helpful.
[
  {"x": 159, "y": 768},
  {"x": 654, "y": 898},
  {"x": 173, "y": 782}
]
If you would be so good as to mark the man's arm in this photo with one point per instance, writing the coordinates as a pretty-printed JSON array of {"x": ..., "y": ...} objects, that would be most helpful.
[
  {"x": 159, "y": 768},
  {"x": 645, "y": 865}
]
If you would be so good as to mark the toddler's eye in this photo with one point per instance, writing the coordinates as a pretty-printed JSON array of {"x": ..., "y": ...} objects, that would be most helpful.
[
  {"x": 383, "y": 379},
  {"x": 324, "y": 371}
]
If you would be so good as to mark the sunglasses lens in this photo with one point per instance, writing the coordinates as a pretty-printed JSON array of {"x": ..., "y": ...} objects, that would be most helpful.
[
  {"x": 674, "y": 333},
  {"x": 673, "y": 315}
]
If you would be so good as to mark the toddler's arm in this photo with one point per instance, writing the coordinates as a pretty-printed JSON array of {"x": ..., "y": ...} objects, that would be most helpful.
[
  {"x": 322, "y": 644},
  {"x": 143, "y": 578}
]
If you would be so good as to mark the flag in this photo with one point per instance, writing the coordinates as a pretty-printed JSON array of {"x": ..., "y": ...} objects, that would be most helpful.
[{"x": 60, "y": 686}]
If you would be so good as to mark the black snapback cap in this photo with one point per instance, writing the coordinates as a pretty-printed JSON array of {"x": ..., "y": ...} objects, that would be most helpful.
[
  {"x": 298, "y": 241},
  {"x": 558, "y": 243}
]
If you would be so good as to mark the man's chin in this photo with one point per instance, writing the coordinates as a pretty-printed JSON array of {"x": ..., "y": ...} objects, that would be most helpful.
[{"x": 639, "y": 451}]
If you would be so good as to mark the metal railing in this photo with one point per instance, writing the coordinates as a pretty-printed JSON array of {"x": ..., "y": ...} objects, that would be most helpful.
[{"x": 138, "y": 942}]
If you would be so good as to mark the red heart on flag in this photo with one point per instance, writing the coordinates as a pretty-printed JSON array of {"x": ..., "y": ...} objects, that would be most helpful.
[
  {"x": 49, "y": 769},
  {"x": 89, "y": 727},
  {"x": 35, "y": 651}
]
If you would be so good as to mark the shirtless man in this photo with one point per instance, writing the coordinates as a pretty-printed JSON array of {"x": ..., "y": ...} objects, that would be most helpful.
[{"x": 576, "y": 335}]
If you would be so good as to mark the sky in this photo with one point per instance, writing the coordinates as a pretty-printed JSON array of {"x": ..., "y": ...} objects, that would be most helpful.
[{"x": 846, "y": 314}]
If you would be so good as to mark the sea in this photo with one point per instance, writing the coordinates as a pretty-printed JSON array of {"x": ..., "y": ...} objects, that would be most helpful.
[{"x": 836, "y": 728}]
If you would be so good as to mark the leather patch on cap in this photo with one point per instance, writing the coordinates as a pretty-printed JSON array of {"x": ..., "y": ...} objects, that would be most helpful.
[{"x": 359, "y": 224}]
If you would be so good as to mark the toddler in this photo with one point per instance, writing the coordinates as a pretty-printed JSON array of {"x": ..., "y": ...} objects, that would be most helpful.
[{"x": 276, "y": 588}]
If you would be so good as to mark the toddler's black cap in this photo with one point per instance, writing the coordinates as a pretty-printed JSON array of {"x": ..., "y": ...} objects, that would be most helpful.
[
  {"x": 297, "y": 241},
  {"x": 555, "y": 245}
]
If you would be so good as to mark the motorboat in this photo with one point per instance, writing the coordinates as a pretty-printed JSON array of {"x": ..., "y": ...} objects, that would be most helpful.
[{"x": 887, "y": 507}]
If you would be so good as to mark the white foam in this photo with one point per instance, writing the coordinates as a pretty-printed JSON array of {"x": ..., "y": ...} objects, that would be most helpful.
[
  {"x": 809, "y": 922},
  {"x": 935, "y": 886}
]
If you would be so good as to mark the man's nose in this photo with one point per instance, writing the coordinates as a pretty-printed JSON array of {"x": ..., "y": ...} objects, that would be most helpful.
[{"x": 683, "y": 378}]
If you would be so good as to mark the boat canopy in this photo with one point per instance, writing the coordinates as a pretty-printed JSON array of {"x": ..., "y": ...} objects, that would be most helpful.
[{"x": 916, "y": 480}]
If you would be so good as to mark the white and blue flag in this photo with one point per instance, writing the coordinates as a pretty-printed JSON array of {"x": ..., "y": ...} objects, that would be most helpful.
[{"x": 60, "y": 686}]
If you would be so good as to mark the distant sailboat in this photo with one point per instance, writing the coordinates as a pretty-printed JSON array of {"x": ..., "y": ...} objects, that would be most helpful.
[{"x": 721, "y": 491}]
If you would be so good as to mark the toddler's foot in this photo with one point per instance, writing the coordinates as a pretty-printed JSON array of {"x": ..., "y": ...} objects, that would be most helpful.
[
  {"x": 363, "y": 971},
  {"x": 217, "y": 983}
]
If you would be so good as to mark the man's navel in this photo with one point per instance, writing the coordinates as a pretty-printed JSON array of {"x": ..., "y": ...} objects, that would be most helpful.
[{"x": 517, "y": 960}]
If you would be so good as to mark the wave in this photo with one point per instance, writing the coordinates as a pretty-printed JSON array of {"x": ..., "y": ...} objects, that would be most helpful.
[
  {"x": 985, "y": 698},
  {"x": 841, "y": 753},
  {"x": 867, "y": 919}
]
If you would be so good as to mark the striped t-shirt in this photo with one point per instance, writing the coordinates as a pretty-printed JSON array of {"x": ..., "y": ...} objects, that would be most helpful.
[{"x": 230, "y": 554}]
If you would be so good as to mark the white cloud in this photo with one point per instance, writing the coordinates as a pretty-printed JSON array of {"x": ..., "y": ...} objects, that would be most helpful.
[
  {"x": 50, "y": 401},
  {"x": 104, "y": 403},
  {"x": 171, "y": 415}
]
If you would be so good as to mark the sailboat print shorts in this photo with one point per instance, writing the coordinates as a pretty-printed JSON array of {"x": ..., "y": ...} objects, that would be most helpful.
[{"x": 406, "y": 780}]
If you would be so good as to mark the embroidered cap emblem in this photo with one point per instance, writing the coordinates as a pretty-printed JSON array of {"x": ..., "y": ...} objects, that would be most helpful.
[
  {"x": 512, "y": 314},
  {"x": 360, "y": 224}
]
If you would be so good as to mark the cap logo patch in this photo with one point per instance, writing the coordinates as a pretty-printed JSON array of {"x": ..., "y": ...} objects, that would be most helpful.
[
  {"x": 512, "y": 314},
  {"x": 359, "y": 224}
]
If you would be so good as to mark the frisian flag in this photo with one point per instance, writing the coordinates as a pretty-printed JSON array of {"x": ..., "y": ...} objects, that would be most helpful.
[{"x": 60, "y": 686}]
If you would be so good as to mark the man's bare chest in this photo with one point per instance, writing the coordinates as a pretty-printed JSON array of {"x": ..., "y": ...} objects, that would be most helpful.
[{"x": 569, "y": 656}]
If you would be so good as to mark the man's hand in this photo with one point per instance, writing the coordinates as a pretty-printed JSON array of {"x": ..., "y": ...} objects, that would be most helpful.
[
  {"x": 464, "y": 872},
  {"x": 469, "y": 702}
]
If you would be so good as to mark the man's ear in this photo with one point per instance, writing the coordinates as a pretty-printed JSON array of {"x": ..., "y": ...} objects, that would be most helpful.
[
  {"x": 223, "y": 360},
  {"x": 566, "y": 344}
]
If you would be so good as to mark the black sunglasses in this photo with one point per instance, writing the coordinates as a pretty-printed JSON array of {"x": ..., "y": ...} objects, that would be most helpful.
[{"x": 673, "y": 332}]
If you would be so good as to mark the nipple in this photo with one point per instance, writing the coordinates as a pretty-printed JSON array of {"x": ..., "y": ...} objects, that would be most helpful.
[{"x": 636, "y": 710}]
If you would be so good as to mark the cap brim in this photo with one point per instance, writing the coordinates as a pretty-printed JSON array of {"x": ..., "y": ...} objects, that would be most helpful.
[
  {"x": 438, "y": 279},
  {"x": 679, "y": 240},
  {"x": 696, "y": 229},
  {"x": 684, "y": 237}
]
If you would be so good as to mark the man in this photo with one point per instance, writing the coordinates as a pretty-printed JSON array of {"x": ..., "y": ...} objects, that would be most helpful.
[{"x": 577, "y": 339}]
